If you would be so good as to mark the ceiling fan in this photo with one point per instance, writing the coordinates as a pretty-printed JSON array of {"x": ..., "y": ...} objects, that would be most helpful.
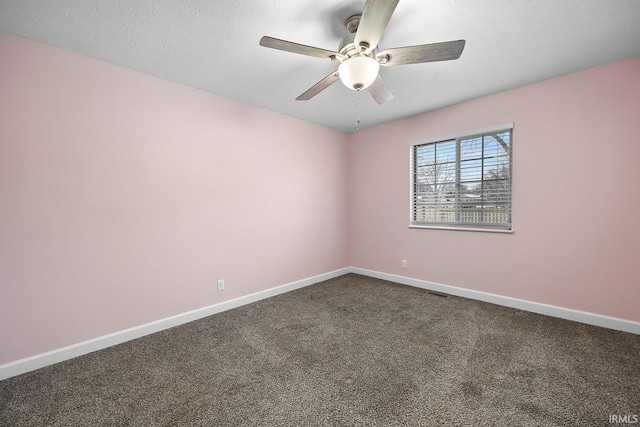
[{"x": 358, "y": 53}]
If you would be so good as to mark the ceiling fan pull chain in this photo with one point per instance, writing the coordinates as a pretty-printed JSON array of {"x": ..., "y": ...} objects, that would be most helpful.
[{"x": 356, "y": 107}]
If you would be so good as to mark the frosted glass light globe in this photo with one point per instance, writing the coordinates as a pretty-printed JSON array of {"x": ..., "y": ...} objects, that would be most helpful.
[{"x": 358, "y": 72}]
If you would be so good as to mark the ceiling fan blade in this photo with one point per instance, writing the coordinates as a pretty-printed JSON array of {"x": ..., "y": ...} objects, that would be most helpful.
[
  {"x": 302, "y": 49},
  {"x": 380, "y": 91},
  {"x": 374, "y": 20},
  {"x": 319, "y": 87},
  {"x": 422, "y": 53}
]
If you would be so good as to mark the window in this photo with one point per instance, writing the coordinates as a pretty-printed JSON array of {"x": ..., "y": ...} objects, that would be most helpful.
[{"x": 463, "y": 182}]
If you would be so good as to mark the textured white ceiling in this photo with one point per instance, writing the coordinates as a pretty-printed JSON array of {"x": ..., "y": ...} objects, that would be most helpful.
[{"x": 213, "y": 45}]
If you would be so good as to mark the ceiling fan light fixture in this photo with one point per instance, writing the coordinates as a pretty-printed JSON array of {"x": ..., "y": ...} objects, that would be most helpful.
[{"x": 358, "y": 72}]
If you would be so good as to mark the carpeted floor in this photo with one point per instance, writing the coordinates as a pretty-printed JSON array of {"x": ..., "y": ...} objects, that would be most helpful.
[{"x": 349, "y": 351}]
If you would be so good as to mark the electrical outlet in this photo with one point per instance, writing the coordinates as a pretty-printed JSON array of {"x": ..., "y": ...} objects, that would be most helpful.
[
  {"x": 221, "y": 285},
  {"x": 404, "y": 263}
]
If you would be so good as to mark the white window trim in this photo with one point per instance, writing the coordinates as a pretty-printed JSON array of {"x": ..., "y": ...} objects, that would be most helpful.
[
  {"x": 506, "y": 126},
  {"x": 503, "y": 127}
]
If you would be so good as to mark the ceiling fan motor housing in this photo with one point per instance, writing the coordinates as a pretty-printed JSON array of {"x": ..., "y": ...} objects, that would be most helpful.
[{"x": 348, "y": 46}]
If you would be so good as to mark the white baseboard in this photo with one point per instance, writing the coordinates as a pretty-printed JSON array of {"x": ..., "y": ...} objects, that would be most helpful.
[
  {"x": 535, "y": 307},
  {"x": 32, "y": 363}
]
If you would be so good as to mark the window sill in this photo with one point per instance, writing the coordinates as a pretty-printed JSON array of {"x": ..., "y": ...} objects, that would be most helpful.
[{"x": 484, "y": 230}]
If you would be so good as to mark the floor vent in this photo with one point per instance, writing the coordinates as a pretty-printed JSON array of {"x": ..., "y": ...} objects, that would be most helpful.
[{"x": 437, "y": 294}]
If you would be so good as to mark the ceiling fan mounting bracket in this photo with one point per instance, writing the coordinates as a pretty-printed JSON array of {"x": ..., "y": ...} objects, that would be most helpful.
[{"x": 352, "y": 23}]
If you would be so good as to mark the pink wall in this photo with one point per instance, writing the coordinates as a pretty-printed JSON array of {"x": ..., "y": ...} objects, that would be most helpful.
[
  {"x": 124, "y": 197},
  {"x": 576, "y": 203}
]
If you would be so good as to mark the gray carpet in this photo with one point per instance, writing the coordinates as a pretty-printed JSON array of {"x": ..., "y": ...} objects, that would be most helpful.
[{"x": 349, "y": 351}]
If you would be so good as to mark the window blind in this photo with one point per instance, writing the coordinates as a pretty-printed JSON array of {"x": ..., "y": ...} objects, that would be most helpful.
[{"x": 463, "y": 182}]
